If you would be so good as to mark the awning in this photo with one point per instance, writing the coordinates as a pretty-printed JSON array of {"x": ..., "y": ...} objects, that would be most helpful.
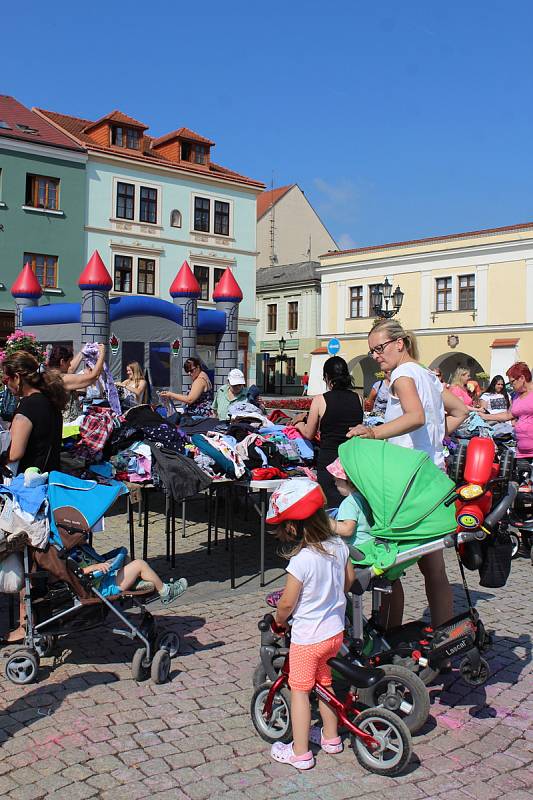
[{"x": 505, "y": 343}]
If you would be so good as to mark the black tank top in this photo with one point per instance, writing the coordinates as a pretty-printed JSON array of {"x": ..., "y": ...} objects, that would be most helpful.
[{"x": 343, "y": 411}]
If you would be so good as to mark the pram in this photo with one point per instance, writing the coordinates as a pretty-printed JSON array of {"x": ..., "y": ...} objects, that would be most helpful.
[
  {"x": 59, "y": 599},
  {"x": 411, "y": 499}
]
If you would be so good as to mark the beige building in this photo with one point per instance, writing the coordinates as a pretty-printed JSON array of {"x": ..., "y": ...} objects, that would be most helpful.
[
  {"x": 289, "y": 230},
  {"x": 288, "y": 308},
  {"x": 467, "y": 296}
]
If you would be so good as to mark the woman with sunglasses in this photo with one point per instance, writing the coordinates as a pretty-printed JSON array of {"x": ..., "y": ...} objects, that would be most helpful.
[
  {"x": 200, "y": 397},
  {"x": 419, "y": 413},
  {"x": 333, "y": 414},
  {"x": 521, "y": 410}
]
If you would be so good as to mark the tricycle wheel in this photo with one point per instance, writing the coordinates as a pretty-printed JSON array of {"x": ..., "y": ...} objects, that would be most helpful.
[
  {"x": 477, "y": 678},
  {"x": 140, "y": 669},
  {"x": 160, "y": 667},
  {"x": 395, "y": 749},
  {"x": 22, "y": 667},
  {"x": 278, "y": 728},
  {"x": 402, "y": 692}
]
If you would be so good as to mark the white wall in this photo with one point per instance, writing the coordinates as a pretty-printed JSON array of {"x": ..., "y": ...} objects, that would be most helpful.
[{"x": 295, "y": 220}]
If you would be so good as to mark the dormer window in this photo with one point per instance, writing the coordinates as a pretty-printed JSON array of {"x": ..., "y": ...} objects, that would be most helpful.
[
  {"x": 26, "y": 128},
  {"x": 121, "y": 136},
  {"x": 195, "y": 153}
]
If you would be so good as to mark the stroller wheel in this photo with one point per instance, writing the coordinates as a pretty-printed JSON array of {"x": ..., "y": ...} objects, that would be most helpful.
[
  {"x": 139, "y": 668},
  {"x": 515, "y": 541},
  {"x": 170, "y": 642},
  {"x": 468, "y": 675},
  {"x": 44, "y": 644},
  {"x": 22, "y": 667},
  {"x": 160, "y": 666},
  {"x": 402, "y": 692}
]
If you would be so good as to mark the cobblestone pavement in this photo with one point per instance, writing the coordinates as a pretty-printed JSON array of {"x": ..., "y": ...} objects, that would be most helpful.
[{"x": 86, "y": 729}]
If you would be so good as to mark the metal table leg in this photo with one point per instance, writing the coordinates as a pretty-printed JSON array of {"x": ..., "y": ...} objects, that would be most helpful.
[
  {"x": 263, "y": 507},
  {"x": 173, "y": 522},
  {"x": 209, "y": 517},
  {"x": 131, "y": 527},
  {"x": 183, "y": 518},
  {"x": 231, "y": 537},
  {"x": 146, "y": 506},
  {"x": 167, "y": 526}
]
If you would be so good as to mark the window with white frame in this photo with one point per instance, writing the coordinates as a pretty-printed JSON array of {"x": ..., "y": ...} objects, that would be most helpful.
[
  {"x": 134, "y": 275},
  {"x": 443, "y": 294},
  {"x": 137, "y": 202},
  {"x": 208, "y": 277},
  {"x": 272, "y": 317},
  {"x": 356, "y": 301},
  {"x": 212, "y": 215},
  {"x": 292, "y": 315},
  {"x": 467, "y": 292}
]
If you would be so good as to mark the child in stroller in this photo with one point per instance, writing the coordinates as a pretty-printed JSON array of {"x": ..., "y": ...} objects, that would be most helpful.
[{"x": 69, "y": 587}]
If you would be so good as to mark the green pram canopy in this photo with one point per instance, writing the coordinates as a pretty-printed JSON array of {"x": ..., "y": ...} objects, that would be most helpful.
[{"x": 406, "y": 493}]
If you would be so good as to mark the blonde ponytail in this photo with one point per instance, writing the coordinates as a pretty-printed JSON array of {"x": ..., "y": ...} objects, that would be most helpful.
[{"x": 394, "y": 330}]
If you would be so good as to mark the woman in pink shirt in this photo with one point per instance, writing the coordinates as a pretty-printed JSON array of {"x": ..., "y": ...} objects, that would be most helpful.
[
  {"x": 521, "y": 411},
  {"x": 458, "y": 386}
]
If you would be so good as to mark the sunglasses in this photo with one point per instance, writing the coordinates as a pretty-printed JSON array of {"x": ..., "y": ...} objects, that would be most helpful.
[{"x": 380, "y": 348}]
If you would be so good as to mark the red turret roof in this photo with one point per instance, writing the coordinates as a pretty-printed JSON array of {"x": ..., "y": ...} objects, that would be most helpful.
[
  {"x": 95, "y": 275},
  {"x": 185, "y": 284},
  {"x": 26, "y": 284},
  {"x": 227, "y": 288}
]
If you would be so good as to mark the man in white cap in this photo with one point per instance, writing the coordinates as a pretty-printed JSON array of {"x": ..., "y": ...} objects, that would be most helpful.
[{"x": 235, "y": 389}]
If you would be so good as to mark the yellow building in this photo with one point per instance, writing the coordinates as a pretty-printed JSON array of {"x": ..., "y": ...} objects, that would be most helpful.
[{"x": 467, "y": 296}]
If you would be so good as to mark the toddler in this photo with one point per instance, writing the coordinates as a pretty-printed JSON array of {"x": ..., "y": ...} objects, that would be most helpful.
[
  {"x": 319, "y": 573},
  {"x": 354, "y": 517}
]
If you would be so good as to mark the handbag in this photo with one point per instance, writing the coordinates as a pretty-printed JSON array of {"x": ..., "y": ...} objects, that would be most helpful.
[{"x": 496, "y": 565}]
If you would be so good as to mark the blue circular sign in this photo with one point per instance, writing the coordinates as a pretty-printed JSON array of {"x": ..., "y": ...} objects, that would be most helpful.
[{"x": 333, "y": 347}]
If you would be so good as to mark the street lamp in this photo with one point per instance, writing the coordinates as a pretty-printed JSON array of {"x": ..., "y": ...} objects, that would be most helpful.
[
  {"x": 281, "y": 345},
  {"x": 383, "y": 292}
]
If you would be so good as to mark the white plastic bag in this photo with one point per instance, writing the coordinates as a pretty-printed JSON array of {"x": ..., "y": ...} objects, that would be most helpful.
[{"x": 11, "y": 574}]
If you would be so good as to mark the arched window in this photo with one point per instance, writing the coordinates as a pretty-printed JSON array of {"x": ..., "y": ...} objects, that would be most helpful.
[{"x": 175, "y": 218}]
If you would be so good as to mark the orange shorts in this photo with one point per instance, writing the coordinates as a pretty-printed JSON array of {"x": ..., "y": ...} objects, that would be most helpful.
[{"x": 308, "y": 663}]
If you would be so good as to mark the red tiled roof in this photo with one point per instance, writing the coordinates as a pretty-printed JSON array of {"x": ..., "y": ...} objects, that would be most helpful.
[
  {"x": 14, "y": 113},
  {"x": 76, "y": 126},
  {"x": 26, "y": 284},
  {"x": 183, "y": 133},
  {"x": 447, "y": 237},
  {"x": 118, "y": 116},
  {"x": 269, "y": 198},
  {"x": 505, "y": 342}
]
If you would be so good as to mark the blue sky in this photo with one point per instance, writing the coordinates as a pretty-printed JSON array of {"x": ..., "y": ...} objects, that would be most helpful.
[{"x": 398, "y": 120}]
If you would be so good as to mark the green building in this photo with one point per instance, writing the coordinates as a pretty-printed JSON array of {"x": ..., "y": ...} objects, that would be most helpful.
[{"x": 42, "y": 207}]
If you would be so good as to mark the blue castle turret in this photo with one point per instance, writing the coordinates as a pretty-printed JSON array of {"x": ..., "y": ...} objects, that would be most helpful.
[
  {"x": 227, "y": 296},
  {"x": 95, "y": 283},
  {"x": 26, "y": 290},
  {"x": 185, "y": 291}
]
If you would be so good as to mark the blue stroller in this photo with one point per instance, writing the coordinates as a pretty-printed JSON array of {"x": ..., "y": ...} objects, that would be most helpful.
[{"x": 59, "y": 599}]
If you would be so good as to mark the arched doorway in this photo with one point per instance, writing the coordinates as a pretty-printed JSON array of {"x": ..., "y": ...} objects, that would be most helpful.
[
  {"x": 449, "y": 362},
  {"x": 363, "y": 370}
]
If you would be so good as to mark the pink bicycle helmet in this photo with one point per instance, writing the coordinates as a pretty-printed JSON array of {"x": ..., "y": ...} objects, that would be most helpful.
[
  {"x": 336, "y": 469},
  {"x": 295, "y": 499}
]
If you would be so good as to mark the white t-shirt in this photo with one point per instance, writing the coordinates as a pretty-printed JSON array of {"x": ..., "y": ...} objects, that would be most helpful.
[
  {"x": 319, "y": 613},
  {"x": 428, "y": 437},
  {"x": 495, "y": 402}
]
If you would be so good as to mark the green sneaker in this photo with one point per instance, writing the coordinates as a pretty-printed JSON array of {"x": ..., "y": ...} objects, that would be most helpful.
[{"x": 176, "y": 589}]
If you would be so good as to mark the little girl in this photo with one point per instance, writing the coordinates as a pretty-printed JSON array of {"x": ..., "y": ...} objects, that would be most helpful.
[
  {"x": 319, "y": 572},
  {"x": 354, "y": 517}
]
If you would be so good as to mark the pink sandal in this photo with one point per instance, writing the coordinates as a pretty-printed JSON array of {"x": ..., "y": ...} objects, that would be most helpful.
[{"x": 327, "y": 745}]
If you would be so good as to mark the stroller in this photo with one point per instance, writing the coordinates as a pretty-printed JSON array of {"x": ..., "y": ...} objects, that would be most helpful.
[
  {"x": 411, "y": 499},
  {"x": 59, "y": 599}
]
